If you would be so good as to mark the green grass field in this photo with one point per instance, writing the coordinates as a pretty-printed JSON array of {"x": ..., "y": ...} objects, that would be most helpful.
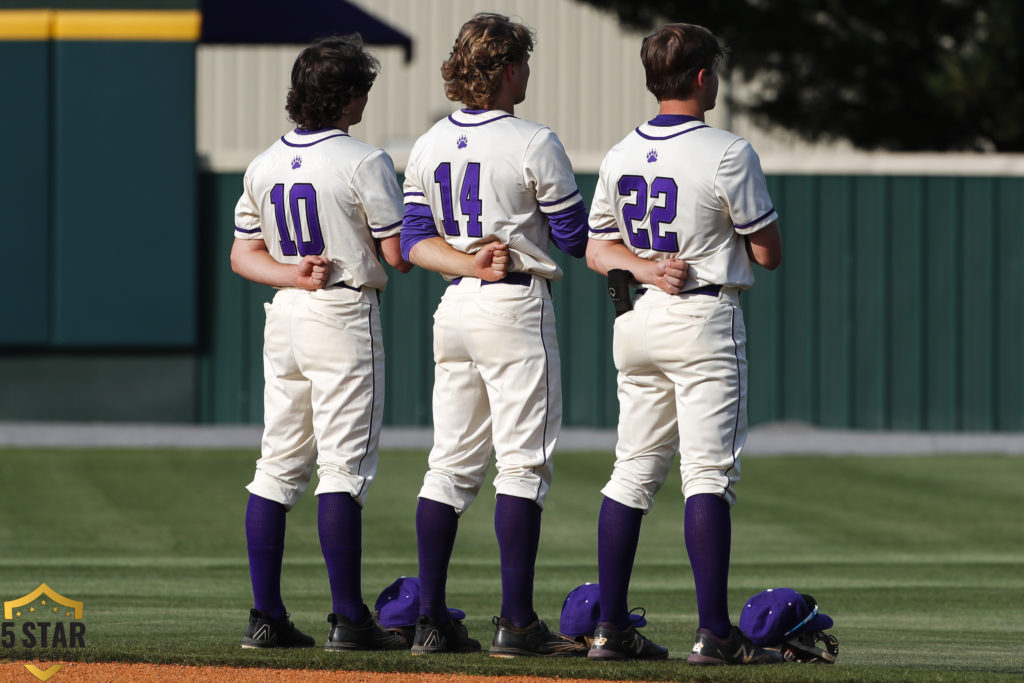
[{"x": 920, "y": 560}]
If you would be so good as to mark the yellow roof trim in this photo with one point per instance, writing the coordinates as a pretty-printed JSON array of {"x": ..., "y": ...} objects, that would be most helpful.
[
  {"x": 25, "y": 24},
  {"x": 168, "y": 25}
]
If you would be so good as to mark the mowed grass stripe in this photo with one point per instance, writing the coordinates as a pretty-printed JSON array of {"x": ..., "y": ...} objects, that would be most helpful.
[{"x": 918, "y": 559}]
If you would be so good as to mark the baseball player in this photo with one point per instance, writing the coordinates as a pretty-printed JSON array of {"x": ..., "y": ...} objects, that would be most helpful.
[
  {"x": 484, "y": 193},
  {"x": 317, "y": 208},
  {"x": 685, "y": 209}
]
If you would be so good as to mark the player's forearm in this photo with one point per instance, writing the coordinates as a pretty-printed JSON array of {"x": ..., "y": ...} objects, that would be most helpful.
[
  {"x": 603, "y": 255},
  {"x": 437, "y": 255},
  {"x": 260, "y": 267},
  {"x": 391, "y": 250},
  {"x": 764, "y": 247}
]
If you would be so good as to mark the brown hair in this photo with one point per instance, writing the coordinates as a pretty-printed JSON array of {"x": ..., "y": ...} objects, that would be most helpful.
[
  {"x": 485, "y": 45},
  {"x": 674, "y": 55},
  {"x": 326, "y": 76}
]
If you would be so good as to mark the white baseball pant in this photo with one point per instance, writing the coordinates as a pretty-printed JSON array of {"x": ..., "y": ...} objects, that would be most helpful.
[
  {"x": 497, "y": 383},
  {"x": 323, "y": 366},
  {"x": 682, "y": 386}
]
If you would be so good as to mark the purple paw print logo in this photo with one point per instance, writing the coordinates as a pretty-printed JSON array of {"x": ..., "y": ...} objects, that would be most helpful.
[
  {"x": 462, "y": 142},
  {"x": 652, "y": 156},
  {"x": 296, "y": 162}
]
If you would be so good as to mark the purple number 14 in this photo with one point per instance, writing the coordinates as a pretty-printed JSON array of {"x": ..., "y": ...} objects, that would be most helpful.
[{"x": 470, "y": 204}]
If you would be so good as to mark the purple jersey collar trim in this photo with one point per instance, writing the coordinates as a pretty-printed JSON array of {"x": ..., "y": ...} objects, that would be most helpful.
[
  {"x": 666, "y": 120},
  {"x": 307, "y": 131},
  {"x": 671, "y": 135},
  {"x": 499, "y": 114},
  {"x": 327, "y": 134}
]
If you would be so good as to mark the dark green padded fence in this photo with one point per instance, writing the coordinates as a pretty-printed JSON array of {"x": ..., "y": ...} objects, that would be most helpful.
[
  {"x": 98, "y": 183},
  {"x": 24, "y": 192},
  {"x": 897, "y": 306}
]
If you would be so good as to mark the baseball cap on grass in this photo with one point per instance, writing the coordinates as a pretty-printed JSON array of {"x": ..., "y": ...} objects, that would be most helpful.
[
  {"x": 398, "y": 605},
  {"x": 775, "y": 615},
  {"x": 582, "y": 609}
]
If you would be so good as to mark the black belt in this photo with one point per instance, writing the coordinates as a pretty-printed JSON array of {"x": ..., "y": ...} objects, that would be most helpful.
[
  {"x": 342, "y": 285},
  {"x": 522, "y": 279},
  {"x": 708, "y": 290}
]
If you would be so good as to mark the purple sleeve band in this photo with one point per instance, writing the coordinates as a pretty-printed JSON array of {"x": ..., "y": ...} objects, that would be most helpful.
[
  {"x": 417, "y": 225},
  {"x": 559, "y": 201},
  {"x": 759, "y": 218},
  {"x": 604, "y": 231},
  {"x": 248, "y": 232},
  {"x": 569, "y": 229},
  {"x": 386, "y": 227}
]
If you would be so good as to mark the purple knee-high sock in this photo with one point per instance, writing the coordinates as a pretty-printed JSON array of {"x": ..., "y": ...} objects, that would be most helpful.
[
  {"x": 618, "y": 532},
  {"x": 436, "y": 526},
  {"x": 264, "y": 536},
  {"x": 517, "y": 526},
  {"x": 340, "y": 523},
  {"x": 708, "y": 532}
]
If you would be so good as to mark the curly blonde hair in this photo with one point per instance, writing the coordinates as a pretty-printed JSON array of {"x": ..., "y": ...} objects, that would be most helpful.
[{"x": 485, "y": 45}]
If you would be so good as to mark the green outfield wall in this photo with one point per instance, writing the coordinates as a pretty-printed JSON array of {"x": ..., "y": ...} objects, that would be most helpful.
[
  {"x": 99, "y": 184},
  {"x": 898, "y": 306}
]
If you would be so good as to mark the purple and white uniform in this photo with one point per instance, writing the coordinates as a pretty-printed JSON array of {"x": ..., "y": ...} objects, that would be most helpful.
[
  {"x": 476, "y": 176},
  {"x": 676, "y": 187},
  {"x": 322, "y": 192}
]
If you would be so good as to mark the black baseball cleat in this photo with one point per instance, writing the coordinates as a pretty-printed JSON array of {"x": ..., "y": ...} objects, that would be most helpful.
[
  {"x": 611, "y": 643},
  {"x": 434, "y": 638},
  {"x": 264, "y": 633},
  {"x": 709, "y": 649},
  {"x": 369, "y": 635},
  {"x": 534, "y": 640}
]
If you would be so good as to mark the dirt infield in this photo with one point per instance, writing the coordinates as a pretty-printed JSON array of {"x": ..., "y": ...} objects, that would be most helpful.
[{"x": 15, "y": 672}]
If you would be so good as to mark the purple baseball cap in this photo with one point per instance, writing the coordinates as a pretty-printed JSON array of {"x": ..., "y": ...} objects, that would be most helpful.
[
  {"x": 775, "y": 615},
  {"x": 398, "y": 605},
  {"x": 582, "y": 609}
]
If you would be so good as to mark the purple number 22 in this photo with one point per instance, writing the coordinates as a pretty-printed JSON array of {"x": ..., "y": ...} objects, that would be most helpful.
[{"x": 653, "y": 237}]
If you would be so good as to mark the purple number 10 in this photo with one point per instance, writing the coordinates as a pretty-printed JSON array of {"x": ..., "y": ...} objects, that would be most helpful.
[
  {"x": 470, "y": 204},
  {"x": 305, "y": 193},
  {"x": 663, "y": 214}
]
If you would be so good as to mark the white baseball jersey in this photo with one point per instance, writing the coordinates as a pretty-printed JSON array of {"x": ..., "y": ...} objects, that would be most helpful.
[
  {"x": 323, "y": 192},
  {"x": 677, "y": 188},
  {"x": 473, "y": 177},
  {"x": 487, "y": 174}
]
